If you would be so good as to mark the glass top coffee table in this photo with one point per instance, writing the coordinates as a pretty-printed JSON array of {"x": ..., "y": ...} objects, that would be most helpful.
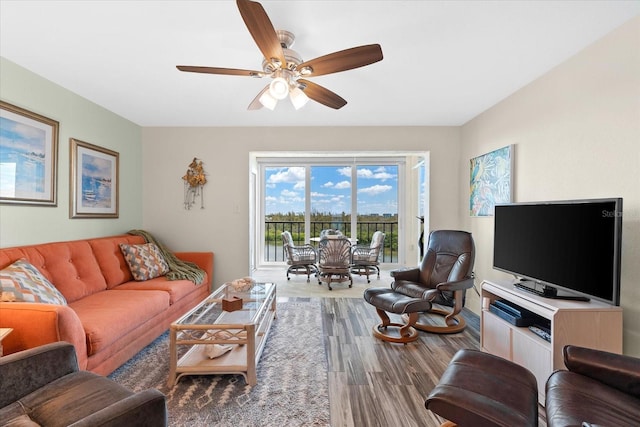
[{"x": 240, "y": 319}]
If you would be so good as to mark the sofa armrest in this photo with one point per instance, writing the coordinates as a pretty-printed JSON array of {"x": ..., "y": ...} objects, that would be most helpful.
[
  {"x": 36, "y": 324},
  {"x": 26, "y": 371},
  {"x": 615, "y": 370},
  {"x": 144, "y": 409},
  {"x": 409, "y": 274},
  {"x": 204, "y": 260}
]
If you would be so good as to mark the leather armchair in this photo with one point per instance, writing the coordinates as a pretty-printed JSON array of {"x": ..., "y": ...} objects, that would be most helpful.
[
  {"x": 443, "y": 276},
  {"x": 43, "y": 386},
  {"x": 597, "y": 389}
]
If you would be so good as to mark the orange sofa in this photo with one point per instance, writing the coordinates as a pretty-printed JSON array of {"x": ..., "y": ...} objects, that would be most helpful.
[{"x": 109, "y": 317}]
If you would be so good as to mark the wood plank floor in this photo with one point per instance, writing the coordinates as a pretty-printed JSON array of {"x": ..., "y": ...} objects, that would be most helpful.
[
  {"x": 371, "y": 382},
  {"x": 375, "y": 383}
]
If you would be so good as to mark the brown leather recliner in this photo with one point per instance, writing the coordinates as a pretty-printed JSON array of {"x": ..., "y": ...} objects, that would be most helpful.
[
  {"x": 443, "y": 276},
  {"x": 598, "y": 389}
]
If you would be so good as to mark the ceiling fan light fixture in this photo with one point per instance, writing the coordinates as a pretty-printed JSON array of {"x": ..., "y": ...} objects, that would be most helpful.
[
  {"x": 268, "y": 101},
  {"x": 306, "y": 70},
  {"x": 279, "y": 88},
  {"x": 298, "y": 98}
]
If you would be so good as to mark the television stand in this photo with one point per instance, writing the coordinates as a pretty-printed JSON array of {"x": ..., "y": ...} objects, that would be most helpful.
[
  {"x": 590, "y": 324},
  {"x": 548, "y": 292}
]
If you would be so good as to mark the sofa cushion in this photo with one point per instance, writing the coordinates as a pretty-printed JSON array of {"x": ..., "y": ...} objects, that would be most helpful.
[
  {"x": 22, "y": 282},
  {"x": 110, "y": 258},
  {"x": 109, "y": 315},
  {"x": 145, "y": 261},
  {"x": 20, "y": 421},
  {"x": 71, "y": 398},
  {"x": 70, "y": 266},
  {"x": 177, "y": 289}
]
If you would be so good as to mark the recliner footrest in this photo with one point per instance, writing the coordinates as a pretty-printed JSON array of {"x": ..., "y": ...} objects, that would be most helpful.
[
  {"x": 479, "y": 389},
  {"x": 393, "y": 302}
]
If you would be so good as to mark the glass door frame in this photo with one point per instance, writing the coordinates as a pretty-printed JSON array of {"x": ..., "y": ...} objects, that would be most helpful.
[{"x": 408, "y": 197}]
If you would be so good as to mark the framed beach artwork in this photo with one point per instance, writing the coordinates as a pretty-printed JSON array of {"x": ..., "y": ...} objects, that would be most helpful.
[
  {"x": 491, "y": 181},
  {"x": 94, "y": 181},
  {"x": 28, "y": 157}
]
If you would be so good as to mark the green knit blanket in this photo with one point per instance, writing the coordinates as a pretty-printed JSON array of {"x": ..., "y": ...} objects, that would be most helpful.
[{"x": 178, "y": 269}]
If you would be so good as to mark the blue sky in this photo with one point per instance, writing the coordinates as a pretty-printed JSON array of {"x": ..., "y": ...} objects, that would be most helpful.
[{"x": 330, "y": 191}]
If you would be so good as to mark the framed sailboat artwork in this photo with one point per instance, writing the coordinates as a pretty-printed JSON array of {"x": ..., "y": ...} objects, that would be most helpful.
[
  {"x": 94, "y": 181},
  {"x": 28, "y": 157}
]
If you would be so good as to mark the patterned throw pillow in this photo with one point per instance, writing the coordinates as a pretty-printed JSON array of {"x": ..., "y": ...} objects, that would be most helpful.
[
  {"x": 145, "y": 261},
  {"x": 22, "y": 282}
]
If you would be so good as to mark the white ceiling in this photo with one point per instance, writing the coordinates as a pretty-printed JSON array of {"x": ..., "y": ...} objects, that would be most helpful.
[{"x": 444, "y": 61}]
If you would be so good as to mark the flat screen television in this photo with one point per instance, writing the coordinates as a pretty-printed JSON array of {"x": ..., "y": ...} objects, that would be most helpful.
[{"x": 562, "y": 249}]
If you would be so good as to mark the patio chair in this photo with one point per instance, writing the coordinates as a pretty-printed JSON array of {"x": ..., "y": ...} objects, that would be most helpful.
[
  {"x": 301, "y": 259},
  {"x": 365, "y": 258},
  {"x": 334, "y": 260}
]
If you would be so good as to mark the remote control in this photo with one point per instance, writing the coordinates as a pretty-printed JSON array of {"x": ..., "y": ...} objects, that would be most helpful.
[{"x": 541, "y": 333}]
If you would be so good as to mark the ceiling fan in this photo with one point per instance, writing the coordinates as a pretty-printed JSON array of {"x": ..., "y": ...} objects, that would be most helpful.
[{"x": 286, "y": 68}]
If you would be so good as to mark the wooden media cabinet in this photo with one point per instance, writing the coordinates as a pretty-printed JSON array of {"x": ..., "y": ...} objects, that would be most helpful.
[{"x": 590, "y": 324}]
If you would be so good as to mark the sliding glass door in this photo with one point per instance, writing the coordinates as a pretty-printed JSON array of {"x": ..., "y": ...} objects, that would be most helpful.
[{"x": 305, "y": 196}]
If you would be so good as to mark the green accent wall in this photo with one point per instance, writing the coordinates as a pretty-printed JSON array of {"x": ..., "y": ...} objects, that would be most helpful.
[{"x": 80, "y": 119}]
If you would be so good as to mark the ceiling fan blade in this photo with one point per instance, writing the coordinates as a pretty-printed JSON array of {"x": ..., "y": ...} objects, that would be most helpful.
[
  {"x": 216, "y": 70},
  {"x": 322, "y": 95},
  {"x": 256, "y": 104},
  {"x": 343, "y": 60},
  {"x": 261, "y": 29}
]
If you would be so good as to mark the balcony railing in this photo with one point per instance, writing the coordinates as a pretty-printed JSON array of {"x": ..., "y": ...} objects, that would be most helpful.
[{"x": 274, "y": 252}]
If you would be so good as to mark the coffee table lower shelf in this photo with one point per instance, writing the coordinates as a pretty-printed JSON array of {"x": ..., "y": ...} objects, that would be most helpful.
[{"x": 240, "y": 360}]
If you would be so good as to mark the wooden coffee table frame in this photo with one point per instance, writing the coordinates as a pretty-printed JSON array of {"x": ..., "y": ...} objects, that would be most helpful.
[{"x": 246, "y": 330}]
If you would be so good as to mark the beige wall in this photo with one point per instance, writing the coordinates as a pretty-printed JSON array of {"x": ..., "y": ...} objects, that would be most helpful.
[
  {"x": 576, "y": 132},
  {"x": 83, "y": 120},
  {"x": 223, "y": 226}
]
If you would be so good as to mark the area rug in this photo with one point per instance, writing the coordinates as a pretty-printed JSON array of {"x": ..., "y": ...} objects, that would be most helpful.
[{"x": 292, "y": 387}]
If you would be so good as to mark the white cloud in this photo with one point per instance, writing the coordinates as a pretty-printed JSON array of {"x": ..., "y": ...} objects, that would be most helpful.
[
  {"x": 342, "y": 185},
  {"x": 327, "y": 185},
  {"x": 287, "y": 175},
  {"x": 365, "y": 173},
  {"x": 375, "y": 190},
  {"x": 345, "y": 171},
  {"x": 380, "y": 173},
  {"x": 287, "y": 193}
]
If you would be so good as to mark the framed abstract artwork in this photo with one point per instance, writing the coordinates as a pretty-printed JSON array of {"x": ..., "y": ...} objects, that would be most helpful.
[
  {"x": 491, "y": 181},
  {"x": 28, "y": 157},
  {"x": 94, "y": 181}
]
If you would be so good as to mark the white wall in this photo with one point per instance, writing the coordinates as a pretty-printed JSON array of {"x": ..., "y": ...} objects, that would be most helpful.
[
  {"x": 83, "y": 120},
  {"x": 223, "y": 225},
  {"x": 576, "y": 132}
]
